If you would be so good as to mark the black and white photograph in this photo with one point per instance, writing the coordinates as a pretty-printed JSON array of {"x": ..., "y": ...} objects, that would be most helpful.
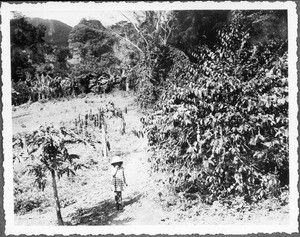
[{"x": 150, "y": 117}]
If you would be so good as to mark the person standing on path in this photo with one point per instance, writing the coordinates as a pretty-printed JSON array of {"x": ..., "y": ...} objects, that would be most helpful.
[{"x": 118, "y": 179}]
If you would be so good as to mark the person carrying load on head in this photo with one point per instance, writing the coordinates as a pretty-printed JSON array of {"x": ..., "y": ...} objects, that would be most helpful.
[{"x": 118, "y": 179}]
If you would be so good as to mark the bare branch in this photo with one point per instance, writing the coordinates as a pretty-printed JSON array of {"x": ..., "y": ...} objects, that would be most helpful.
[
  {"x": 100, "y": 31},
  {"x": 136, "y": 28},
  {"x": 127, "y": 40}
]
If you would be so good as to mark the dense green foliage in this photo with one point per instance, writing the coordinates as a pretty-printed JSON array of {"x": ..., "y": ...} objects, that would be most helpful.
[
  {"x": 90, "y": 38},
  {"x": 192, "y": 28},
  {"x": 220, "y": 125},
  {"x": 26, "y": 48},
  {"x": 37, "y": 67},
  {"x": 98, "y": 64}
]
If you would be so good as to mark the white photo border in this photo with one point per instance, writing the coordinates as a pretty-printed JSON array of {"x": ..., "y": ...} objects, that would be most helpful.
[{"x": 12, "y": 229}]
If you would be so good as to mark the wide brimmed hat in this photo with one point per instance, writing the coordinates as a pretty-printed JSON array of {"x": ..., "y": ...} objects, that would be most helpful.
[{"x": 116, "y": 159}]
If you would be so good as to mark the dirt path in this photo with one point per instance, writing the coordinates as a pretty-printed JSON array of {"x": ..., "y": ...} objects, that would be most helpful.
[
  {"x": 93, "y": 201},
  {"x": 145, "y": 210}
]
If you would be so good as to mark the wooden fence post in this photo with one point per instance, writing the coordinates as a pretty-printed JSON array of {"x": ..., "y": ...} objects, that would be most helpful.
[{"x": 103, "y": 133}]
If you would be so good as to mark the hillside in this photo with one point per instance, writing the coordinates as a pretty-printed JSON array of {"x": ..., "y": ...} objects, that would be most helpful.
[
  {"x": 91, "y": 41},
  {"x": 57, "y": 32},
  {"x": 86, "y": 197}
]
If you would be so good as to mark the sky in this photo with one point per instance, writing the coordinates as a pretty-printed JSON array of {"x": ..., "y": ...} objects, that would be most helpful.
[
  {"x": 71, "y": 13},
  {"x": 72, "y": 18}
]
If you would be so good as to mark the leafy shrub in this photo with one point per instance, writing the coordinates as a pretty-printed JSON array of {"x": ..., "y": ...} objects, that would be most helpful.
[
  {"x": 27, "y": 202},
  {"x": 152, "y": 74},
  {"x": 221, "y": 124},
  {"x": 21, "y": 93},
  {"x": 27, "y": 198}
]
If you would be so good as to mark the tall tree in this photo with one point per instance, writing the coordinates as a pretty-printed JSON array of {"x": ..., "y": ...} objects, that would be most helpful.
[
  {"x": 194, "y": 27},
  {"x": 146, "y": 37}
]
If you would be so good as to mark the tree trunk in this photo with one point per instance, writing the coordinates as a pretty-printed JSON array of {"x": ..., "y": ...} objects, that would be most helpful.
[
  {"x": 122, "y": 128},
  {"x": 58, "y": 213},
  {"x": 127, "y": 84}
]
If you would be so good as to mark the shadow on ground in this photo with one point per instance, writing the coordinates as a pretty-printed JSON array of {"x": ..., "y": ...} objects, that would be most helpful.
[{"x": 103, "y": 213}]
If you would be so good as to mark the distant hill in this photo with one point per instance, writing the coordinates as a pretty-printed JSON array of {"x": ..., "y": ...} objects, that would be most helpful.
[
  {"x": 95, "y": 24},
  {"x": 89, "y": 37},
  {"x": 57, "y": 32}
]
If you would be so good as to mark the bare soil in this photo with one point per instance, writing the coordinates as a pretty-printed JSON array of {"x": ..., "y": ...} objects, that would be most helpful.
[{"x": 87, "y": 198}]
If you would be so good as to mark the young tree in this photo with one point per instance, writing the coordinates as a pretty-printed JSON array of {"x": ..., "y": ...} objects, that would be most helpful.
[{"x": 46, "y": 149}]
